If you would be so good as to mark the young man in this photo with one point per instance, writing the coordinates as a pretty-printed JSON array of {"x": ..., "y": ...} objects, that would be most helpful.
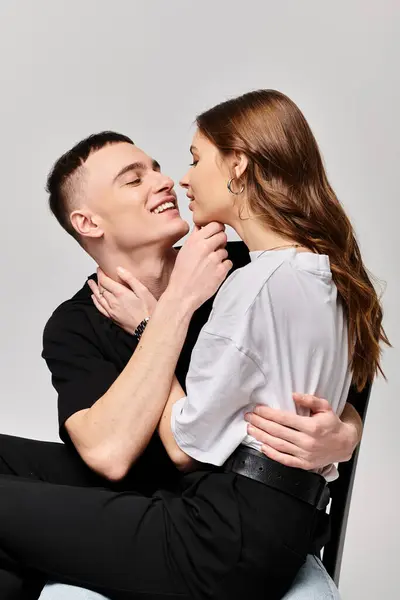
[{"x": 115, "y": 201}]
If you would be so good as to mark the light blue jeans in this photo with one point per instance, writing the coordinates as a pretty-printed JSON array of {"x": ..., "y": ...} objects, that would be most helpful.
[{"x": 311, "y": 583}]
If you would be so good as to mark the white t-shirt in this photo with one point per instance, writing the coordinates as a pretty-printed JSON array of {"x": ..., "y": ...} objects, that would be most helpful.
[{"x": 277, "y": 326}]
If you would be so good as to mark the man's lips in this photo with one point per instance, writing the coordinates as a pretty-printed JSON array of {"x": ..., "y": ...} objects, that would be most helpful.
[{"x": 163, "y": 200}]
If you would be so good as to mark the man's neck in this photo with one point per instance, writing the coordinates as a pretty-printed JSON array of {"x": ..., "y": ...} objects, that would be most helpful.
[{"x": 152, "y": 267}]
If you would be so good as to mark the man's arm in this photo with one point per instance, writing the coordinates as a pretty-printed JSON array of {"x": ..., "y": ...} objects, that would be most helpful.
[
  {"x": 114, "y": 431},
  {"x": 318, "y": 442},
  {"x": 307, "y": 442}
]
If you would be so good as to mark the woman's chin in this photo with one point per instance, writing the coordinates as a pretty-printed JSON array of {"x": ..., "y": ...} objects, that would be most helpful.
[{"x": 201, "y": 219}]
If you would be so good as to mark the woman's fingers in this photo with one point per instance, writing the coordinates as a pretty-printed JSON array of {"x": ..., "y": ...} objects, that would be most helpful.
[
  {"x": 141, "y": 291},
  {"x": 135, "y": 285},
  {"x": 107, "y": 284},
  {"x": 99, "y": 307},
  {"x": 100, "y": 296}
]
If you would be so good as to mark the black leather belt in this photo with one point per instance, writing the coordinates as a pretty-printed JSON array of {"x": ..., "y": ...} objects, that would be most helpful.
[{"x": 304, "y": 485}]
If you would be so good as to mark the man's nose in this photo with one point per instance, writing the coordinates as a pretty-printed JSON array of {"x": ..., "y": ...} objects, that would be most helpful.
[{"x": 163, "y": 182}]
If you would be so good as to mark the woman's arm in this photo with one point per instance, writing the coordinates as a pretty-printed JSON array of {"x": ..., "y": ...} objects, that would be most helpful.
[
  {"x": 223, "y": 382},
  {"x": 181, "y": 460}
]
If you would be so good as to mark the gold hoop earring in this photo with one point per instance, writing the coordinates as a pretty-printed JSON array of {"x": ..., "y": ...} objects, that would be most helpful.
[{"x": 229, "y": 186}]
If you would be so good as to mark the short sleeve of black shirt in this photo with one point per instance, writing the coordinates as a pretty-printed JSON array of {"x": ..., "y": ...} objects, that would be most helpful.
[{"x": 85, "y": 353}]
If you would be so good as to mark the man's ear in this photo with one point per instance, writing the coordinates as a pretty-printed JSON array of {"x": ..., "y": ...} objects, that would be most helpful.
[
  {"x": 240, "y": 162},
  {"x": 86, "y": 224}
]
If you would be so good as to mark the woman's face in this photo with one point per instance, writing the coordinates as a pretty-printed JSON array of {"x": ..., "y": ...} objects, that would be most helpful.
[{"x": 206, "y": 184}]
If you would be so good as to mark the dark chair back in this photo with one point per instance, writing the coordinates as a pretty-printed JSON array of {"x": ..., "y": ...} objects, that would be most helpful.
[{"x": 341, "y": 491}]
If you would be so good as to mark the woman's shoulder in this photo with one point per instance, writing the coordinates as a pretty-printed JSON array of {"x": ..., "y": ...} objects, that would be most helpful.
[
  {"x": 238, "y": 293},
  {"x": 276, "y": 277}
]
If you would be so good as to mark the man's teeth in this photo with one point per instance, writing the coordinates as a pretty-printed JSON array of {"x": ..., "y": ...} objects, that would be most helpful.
[{"x": 163, "y": 207}]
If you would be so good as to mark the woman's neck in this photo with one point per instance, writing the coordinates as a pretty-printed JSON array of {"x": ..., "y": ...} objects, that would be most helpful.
[{"x": 258, "y": 236}]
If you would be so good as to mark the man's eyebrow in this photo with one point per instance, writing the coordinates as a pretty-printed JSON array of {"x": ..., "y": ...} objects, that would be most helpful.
[
  {"x": 137, "y": 166},
  {"x": 192, "y": 149}
]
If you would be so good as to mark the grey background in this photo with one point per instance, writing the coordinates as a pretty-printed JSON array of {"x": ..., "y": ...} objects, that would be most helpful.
[{"x": 72, "y": 67}]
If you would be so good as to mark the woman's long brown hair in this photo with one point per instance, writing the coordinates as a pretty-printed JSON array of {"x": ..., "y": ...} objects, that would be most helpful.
[{"x": 287, "y": 187}]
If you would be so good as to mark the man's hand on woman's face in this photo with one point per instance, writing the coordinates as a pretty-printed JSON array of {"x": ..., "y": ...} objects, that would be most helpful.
[
  {"x": 201, "y": 266},
  {"x": 305, "y": 442}
]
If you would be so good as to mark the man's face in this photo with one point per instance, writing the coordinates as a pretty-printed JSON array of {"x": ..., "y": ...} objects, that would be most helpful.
[{"x": 129, "y": 200}]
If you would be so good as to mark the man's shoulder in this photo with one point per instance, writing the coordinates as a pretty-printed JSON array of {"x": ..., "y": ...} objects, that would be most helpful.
[
  {"x": 74, "y": 310},
  {"x": 238, "y": 253}
]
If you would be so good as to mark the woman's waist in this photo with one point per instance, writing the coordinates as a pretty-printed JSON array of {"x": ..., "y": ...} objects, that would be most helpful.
[
  {"x": 306, "y": 486},
  {"x": 329, "y": 472},
  {"x": 251, "y": 475}
]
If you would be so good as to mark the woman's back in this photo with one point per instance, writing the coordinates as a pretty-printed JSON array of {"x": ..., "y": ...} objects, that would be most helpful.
[{"x": 277, "y": 325}]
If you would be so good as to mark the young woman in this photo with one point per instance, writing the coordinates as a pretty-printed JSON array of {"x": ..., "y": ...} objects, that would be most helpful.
[{"x": 303, "y": 315}]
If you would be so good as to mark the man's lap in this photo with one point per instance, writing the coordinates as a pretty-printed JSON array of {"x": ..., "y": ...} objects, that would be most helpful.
[{"x": 312, "y": 583}]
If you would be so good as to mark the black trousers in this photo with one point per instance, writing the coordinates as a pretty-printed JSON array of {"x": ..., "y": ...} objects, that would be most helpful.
[{"x": 222, "y": 536}]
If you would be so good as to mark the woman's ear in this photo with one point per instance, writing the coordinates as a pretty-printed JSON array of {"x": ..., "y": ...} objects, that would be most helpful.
[{"x": 240, "y": 164}]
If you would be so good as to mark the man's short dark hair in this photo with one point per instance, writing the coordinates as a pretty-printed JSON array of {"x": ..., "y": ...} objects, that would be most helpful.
[{"x": 60, "y": 182}]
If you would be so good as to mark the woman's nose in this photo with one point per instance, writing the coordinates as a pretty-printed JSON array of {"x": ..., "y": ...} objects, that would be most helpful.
[{"x": 184, "y": 182}]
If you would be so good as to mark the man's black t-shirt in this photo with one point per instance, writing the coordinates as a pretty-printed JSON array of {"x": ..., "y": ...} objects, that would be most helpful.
[{"x": 86, "y": 352}]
